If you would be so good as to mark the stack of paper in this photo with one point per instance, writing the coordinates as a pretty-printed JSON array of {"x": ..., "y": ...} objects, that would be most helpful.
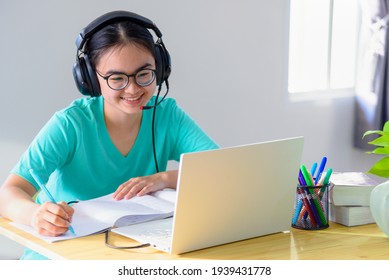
[{"x": 351, "y": 215}]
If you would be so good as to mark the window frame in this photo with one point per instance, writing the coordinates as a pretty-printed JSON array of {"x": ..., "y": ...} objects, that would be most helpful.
[{"x": 328, "y": 91}]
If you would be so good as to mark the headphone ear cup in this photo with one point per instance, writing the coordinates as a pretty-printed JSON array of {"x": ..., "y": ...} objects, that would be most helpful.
[
  {"x": 93, "y": 81},
  {"x": 79, "y": 76},
  {"x": 85, "y": 77},
  {"x": 163, "y": 63}
]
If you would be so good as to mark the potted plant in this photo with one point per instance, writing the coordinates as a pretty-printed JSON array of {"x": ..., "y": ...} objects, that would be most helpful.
[
  {"x": 379, "y": 197},
  {"x": 381, "y": 167}
]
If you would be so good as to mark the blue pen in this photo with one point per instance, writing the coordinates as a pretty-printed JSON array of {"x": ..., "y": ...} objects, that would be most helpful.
[
  {"x": 46, "y": 191},
  {"x": 300, "y": 203},
  {"x": 313, "y": 169},
  {"x": 301, "y": 179},
  {"x": 321, "y": 169},
  {"x": 297, "y": 212}
]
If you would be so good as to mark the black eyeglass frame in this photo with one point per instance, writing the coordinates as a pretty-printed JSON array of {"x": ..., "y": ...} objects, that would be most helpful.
[{"x": 106, "y": 78}]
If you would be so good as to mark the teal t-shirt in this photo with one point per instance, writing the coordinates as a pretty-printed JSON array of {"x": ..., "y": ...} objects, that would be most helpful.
[{"x": 74, "y": 153}]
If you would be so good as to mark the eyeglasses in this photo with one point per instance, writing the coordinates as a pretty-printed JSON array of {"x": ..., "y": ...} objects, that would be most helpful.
[{"x": 118, "y": 81}]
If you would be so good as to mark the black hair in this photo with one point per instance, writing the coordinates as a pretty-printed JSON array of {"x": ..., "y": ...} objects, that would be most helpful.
[{"x": 116, "y": 35}]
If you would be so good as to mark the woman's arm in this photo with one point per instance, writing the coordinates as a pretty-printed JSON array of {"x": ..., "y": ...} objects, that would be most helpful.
[
  {"x": 16, "y": 201},
  {"x": 17, "y": 204}
]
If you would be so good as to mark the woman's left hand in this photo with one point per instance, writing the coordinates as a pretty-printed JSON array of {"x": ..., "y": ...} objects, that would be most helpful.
[{"x": 139, "y": 186}]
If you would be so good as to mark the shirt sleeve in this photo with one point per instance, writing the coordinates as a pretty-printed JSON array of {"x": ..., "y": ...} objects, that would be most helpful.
[
  {"x": 189, "y": 136},
  {"x": 51, "y": 148}
]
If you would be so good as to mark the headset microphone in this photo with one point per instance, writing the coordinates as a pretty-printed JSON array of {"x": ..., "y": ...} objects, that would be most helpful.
[
  {"x": 147, "y": 107},
  {"x": 156, "y": 100},
  {"x": 151, "y": 107}
]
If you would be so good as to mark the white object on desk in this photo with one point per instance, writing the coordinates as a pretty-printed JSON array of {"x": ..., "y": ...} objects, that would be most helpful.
[
  {"x": 379, "y": 206},
  {"x": 98, "y": 214}
]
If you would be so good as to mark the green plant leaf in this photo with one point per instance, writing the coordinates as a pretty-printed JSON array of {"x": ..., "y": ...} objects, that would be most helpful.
[
  {"x": 380, "y": 151},
  {"x": 381, "y": 141},
  {"x": 386, "y": 127},
  {"x": 381, "y": 168},
  {"x": 373, "y": 132}
]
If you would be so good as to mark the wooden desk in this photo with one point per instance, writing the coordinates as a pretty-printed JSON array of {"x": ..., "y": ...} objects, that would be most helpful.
[{"x": 334, "y": 243}]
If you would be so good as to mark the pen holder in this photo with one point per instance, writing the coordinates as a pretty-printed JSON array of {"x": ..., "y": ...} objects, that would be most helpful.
[{"x": 311, "y": 207}]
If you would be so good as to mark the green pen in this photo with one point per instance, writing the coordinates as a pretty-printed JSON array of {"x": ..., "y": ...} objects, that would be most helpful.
[
  {"x": 308, "y": 180},
  {"x": 325, "y": 182},
  {"x": 307, "y": 176},
  {"x": 327, "y": 177}
]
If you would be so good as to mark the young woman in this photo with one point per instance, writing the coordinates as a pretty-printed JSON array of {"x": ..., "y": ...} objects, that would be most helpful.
[{"x": 117, "y": 141}]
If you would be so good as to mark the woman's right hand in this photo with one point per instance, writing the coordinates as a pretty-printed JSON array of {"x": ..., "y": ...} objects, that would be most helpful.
[
  {"x": 17, "y": 204},
  {"x": 52, "y": 219}
]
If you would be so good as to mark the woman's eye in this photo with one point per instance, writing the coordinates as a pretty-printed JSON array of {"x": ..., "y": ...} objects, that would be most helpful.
[{"x": 116, "y": 78}]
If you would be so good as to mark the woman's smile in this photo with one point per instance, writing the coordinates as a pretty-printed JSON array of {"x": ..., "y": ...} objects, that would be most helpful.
[{"x": 133, "y": 100}]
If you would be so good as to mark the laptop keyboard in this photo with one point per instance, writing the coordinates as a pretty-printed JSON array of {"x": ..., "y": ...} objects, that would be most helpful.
[{"x": 157, "y": 235}]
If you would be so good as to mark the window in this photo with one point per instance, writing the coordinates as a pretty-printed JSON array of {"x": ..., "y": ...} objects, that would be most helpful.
[{"x": 322, "y": 45}]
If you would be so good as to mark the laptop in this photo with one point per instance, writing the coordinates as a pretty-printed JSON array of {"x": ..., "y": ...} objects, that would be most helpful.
[{"x": 227, "y": 195}]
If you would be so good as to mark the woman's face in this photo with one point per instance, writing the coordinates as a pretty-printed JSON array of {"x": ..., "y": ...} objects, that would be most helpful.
[{"x": 128, "y": 59}]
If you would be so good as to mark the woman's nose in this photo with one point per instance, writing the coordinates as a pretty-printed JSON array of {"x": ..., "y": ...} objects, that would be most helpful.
[{"x": 132, "y": 86}]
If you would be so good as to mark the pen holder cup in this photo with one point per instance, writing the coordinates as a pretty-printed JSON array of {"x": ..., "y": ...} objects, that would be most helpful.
[{"x": 311, "y": 207}]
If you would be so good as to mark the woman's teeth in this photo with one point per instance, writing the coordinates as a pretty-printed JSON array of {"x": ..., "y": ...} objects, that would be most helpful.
[{"x": 131, "y": 98}]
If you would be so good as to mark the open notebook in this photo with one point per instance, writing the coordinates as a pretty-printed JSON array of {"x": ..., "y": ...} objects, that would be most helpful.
[
  {"x": 227, "y": 195},
  {"x": 101, "y": 213}
]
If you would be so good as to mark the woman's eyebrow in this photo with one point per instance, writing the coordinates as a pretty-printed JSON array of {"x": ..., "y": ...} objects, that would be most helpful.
[{"x": 113, "y": 71}]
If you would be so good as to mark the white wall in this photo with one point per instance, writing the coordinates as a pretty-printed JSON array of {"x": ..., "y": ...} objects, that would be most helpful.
[{"x": 229, "y": 72}]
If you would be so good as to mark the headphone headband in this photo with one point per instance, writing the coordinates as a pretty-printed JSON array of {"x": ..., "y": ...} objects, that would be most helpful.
[{"x": 110, "y": 18}]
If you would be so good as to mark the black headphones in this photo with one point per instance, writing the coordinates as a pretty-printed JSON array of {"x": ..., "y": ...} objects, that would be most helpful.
[{"x": 83, "y": 71}]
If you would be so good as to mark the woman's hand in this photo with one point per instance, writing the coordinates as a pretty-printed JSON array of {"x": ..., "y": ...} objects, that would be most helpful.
[
  {"x": 139, "y": 186},
  {"x": 17, "y": 204},
  {"x": 52, "y": 219}
]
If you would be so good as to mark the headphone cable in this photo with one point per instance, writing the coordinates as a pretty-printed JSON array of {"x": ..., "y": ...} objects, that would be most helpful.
[
  {"x": 153, "y": 132},
  {"x": 156, "y": 103}
]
